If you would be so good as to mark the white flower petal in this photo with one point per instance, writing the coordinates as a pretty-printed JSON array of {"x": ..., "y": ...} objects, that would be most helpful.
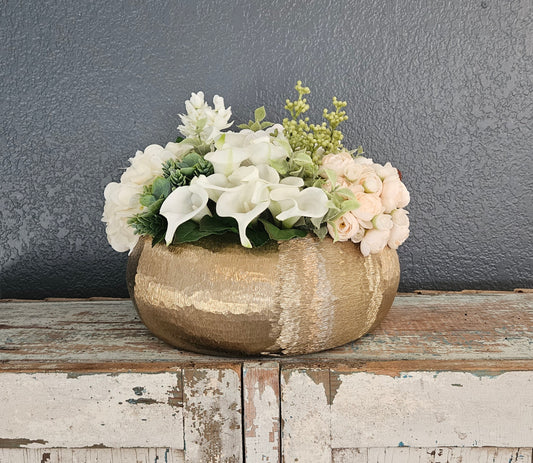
[
  {"x": 244, "y": 204},
  {"x": 184, "y": 203}
]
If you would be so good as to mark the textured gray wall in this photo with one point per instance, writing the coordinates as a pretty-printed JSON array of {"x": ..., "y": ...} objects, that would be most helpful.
[{"x": 441, "y": 89}]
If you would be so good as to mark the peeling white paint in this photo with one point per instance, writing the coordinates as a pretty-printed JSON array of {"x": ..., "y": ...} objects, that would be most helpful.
[
  {"x": 421, "y": 409},
  {"x": 55, "y": 410}
]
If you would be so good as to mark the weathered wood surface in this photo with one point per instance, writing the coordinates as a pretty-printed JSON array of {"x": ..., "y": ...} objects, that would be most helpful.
[
  {"x": 261, "y": 403},
  {"x": 432, "y": 455},
  {"x": 61, "y": 455},
  {"x": 490, "y": 330},
  {"x": 102, "y": 410},
  {"x": 213, "y": 419}
]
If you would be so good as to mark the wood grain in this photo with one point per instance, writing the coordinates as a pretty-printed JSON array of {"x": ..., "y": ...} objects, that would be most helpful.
[
  {"x": 60, "y": 455},
  {"x": 67, "y": 336},
  {"x": 213, "y": 419},
  {"x": 261, "y": 403}
]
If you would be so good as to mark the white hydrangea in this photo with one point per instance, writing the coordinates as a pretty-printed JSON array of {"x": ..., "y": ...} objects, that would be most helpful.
[
  {"x": 202, "y": 121},
  {"x": 122, "y": 199}
]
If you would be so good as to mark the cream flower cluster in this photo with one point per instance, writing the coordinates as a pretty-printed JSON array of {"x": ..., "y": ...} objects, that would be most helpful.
[
  {"x": 202, "y": 121},
  {"x": 380, "y": 219},
  {"x": 244, "y": 185},
  {"x": 122, "y": 199}
]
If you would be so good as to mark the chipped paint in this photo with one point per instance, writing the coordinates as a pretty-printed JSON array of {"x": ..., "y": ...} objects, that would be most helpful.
[
  {"x": 428, "y": 409},
  {"x": 20, "y": 442},
  {"x": 53, "y": 410}
]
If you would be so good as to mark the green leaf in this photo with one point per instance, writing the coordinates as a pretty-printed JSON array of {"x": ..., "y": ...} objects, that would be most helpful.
[
  {"x": 179, "y": 139},
  {"x": 190, "y": 160},
  {"x": 265, "y": 125},
  {"x": 278, "y": 234},
  {"x": 187, "y": 171},
  {"x": 188, "y": 232},
  {"x": 147, "y": 200},
  {"x": 255, "y": 126},
  {"x": 257, "y": 236},
  {"x": 243, "y": 126},
  {"x": 260, "y": 114},
  {"x": 161, "y": 188},
  {"x": 218, "y": 225}
]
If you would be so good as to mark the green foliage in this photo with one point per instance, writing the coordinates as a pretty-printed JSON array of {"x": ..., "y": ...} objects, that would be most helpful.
[
  {"x": 180, "y": 173},
  {"x": 279, "y": 234},
  {"x": 298, "y": 164},
  {"x": 258, "y": 124},
  {"x": 314, "y": 139}
]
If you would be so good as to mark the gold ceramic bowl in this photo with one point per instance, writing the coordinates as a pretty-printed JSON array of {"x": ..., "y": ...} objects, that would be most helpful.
[{"x": 292, "y": 297}]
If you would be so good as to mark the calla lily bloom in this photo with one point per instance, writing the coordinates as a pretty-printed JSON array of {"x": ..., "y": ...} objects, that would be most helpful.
[
  {"x": 294, "y": 203},
  {"x": 244, "y": 203},
  {"x": 226, "y": 161},
  {"x": 184, "y": 203}
]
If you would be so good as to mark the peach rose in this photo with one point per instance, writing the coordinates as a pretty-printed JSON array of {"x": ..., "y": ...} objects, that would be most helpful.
[
  {"x": 394, "y": 194},
  {"x": 344, "y": 228},
  {"x": 382, "y": 222},
  {"x": 385, "y": 171},
  {"x": 397, "y": 236},
  {"x": 374, "y": 241},
  {"x": 369, "y": 206},
  {"x": 337, "y": 162}
]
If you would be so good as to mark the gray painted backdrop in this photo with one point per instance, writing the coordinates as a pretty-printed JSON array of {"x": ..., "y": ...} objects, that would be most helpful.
[{"x": 441, "y": 89}]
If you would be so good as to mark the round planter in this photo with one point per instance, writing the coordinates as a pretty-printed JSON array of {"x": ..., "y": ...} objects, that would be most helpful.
[{"x": 291, "y": 297}]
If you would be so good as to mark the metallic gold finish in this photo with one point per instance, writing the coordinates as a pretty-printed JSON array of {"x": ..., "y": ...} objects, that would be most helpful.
[{"x": 292, "y": 297}]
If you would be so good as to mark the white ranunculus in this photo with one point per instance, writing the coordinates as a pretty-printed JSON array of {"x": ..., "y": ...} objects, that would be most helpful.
[
  {"x": 394, "y": 194},
  {"x": 382, "y": 222},
  {"x": 398, "y": 235},
  {"x": 179, "y": 150},
  {"x": 359, "y": 235},
  {"x": 146, "y": 166},
  {"x": 244, "y": 203},
  {"x": 293, "y": 203},
  {"x": 374, "y": 241},
  {"x": 354, "y": 171},
  {"x": 121, "y": 203},
  {"x": 363, "y": 160},
  {"x": 369, "y": 206},
  {"x": 344, "y": 228},
  {"x": 184, "y": 203}
]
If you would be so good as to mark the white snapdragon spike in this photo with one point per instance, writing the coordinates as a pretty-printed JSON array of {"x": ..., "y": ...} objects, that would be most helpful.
[
  {"x": 146, "y": 166},
  {"x": 226, "y": 161},
  {"x": 311, "y": 202},
  {"x": 244, "y": 203},
  {"x": 121, "y": 203},
  {"x": 202, "y": 121},
  {"x": 374, "y": 241},
  {"x": 184, "y": 203}
]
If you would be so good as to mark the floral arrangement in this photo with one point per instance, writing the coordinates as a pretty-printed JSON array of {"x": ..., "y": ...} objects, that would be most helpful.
[{"x": 263, "y": 182}]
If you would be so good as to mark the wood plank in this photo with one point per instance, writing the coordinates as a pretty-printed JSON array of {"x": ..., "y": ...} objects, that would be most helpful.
[
  {"x": 103, "y": 410},
  {"x": 306, "y": 416},
  {"x": 432, "y": 455},
  {"x": 423, "y": 409},
  {"x": 94, "y": 334},
  {"x": 261, "y": 412},
  {"x": 213, "y": 415},
  {"x": 62, "y": 455}
]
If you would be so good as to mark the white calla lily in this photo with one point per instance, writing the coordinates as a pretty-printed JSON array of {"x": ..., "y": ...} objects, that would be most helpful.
[
  {"x": 244, "y": 174},
  {"x": 244, "y": 203},
  {"x": 226, "y": 161},
  {"x": 184, "y": 203},
  {"x": 294, "y": 203},
  {"x": 214, "y": 184}
]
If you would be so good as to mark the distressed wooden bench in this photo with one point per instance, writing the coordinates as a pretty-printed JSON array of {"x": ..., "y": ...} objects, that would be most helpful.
[{"x": 446, "y": 378}]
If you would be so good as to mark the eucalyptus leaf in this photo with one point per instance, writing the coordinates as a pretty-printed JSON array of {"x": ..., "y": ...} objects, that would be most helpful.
[
  {"x": 260, "y": 114},
  {"x": 161, "y": 188}
]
